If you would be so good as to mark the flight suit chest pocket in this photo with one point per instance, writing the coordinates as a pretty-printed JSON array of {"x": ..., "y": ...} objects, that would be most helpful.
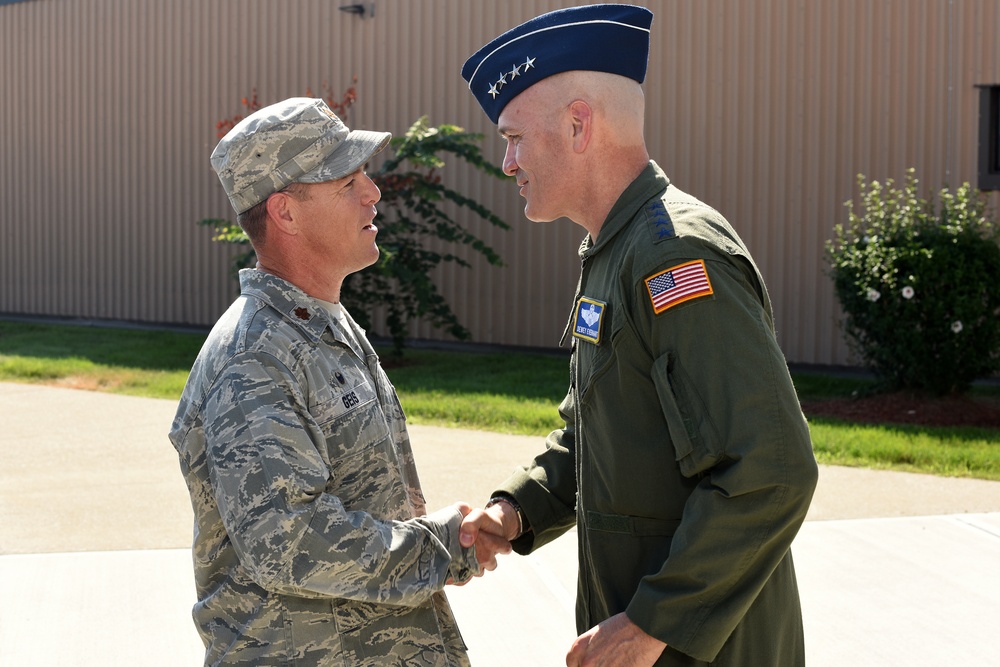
[{"x": 595, "y": 357}]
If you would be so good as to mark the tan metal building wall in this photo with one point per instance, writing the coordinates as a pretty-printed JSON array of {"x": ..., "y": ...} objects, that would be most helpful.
[{"x": 766, "y": 109}]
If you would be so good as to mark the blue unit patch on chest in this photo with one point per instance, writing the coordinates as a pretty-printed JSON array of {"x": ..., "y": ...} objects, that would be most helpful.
[{"x": 589, "y": 317}]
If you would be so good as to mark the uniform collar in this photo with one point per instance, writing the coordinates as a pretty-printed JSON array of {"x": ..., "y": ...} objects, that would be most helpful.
[
  {"x": 650, "y": 183},
  {"x": 296, "y": 307}
]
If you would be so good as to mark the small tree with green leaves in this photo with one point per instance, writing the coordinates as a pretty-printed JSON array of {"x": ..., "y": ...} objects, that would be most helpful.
[
  {"x": 919, "y": 285},
  {"x": 414, "y": 219}
]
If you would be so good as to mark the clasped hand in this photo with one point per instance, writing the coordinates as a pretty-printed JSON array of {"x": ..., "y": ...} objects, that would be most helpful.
[
  {"x": 616, "y": 641},
  {"x": 487, "y": 530}
]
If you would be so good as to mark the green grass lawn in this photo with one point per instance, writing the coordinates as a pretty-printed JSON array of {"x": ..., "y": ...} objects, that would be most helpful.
[
  {"x": 125, "y": 361},
  {"x": 505, "y": 392},
  {"x": 511, "y": 392},
  {"x": 951, "y": 452}
]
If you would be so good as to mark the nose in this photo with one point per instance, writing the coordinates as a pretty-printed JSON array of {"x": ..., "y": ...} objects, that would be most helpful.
[
  {"x": 509, "y": 160},
  {"x": 371, "y": 194}
]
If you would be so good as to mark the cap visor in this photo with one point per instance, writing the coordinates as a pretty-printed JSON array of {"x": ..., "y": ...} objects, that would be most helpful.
[{"x": 359, "y": 147}]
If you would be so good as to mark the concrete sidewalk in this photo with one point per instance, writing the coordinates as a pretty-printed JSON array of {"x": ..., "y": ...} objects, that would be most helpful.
[{"x": 95, "y": 569}]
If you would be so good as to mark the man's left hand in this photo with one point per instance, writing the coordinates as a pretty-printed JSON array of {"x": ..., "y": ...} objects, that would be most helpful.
[{"x": 616, "y": 641}]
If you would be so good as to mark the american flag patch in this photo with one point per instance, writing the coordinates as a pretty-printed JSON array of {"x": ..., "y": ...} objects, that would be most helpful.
[{"x": 678, "y": 284}]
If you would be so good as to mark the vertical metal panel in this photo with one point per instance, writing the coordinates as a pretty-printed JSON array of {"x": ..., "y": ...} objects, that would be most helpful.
[
  {"x": 769, "y": 109},
  {"x": 765, "y": 109}
]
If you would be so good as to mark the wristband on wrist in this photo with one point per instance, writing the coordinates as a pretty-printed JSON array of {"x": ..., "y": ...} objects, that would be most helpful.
[{"x": 515, "y": 506}]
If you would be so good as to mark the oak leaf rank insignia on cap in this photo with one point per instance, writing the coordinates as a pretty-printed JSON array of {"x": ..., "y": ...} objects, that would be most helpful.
[{"x": 600, "y": 38}]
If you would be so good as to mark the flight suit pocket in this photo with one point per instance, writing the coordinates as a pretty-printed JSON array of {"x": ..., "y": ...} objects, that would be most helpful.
[
  {"x": 626, "y": 549},
  {"x": 598, "y": 358},
  {"x": 691, "y": 430}
]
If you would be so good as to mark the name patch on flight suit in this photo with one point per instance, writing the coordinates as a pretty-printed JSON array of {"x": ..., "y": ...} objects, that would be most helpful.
[{"x": 589, "y": 317}]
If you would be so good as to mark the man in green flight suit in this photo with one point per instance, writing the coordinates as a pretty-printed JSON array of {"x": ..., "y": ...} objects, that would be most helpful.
[{"x": 685, "y": 462}]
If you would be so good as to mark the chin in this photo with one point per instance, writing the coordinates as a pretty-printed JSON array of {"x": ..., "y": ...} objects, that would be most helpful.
[{"x": 538, "y": 217}]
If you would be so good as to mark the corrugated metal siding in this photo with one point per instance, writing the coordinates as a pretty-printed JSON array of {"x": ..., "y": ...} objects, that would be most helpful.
[
  {"x": 765, "y": 109},
  {"x": 769, "y": 110}
]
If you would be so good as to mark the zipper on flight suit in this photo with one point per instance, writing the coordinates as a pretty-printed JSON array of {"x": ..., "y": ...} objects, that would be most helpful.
[{"x": 583, "y": 547}]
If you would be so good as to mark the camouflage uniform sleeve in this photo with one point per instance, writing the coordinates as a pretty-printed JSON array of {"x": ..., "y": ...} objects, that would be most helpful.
[{"x": 276, "y": 478}]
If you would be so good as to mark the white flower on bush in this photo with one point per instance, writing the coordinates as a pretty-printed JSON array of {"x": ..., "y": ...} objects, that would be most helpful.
[
  {"x": 873, "y": 295},
  {"x": 908, "y": 292},
  {"x": 956, "y": 326}
]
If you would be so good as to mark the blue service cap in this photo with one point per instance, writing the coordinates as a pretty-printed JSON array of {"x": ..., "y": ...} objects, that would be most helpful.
[{"x": 600, "y": 38}]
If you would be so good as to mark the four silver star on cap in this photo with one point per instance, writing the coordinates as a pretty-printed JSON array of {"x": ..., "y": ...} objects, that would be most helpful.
[{"x": 513, "y": 74}]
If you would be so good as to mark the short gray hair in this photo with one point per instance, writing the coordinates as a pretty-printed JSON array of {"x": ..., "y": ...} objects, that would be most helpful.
[{"x": 253, "y": 221}]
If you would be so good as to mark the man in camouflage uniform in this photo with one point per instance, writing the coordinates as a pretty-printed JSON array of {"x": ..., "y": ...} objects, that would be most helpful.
[
  {"x": 685, "y": 463},
  {"x": 311, "y": 546}
]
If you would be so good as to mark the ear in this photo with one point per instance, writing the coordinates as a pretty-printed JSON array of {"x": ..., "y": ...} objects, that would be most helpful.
[
  {"x": 581, "y": 119},
  {"x": 281, "y": 213}
]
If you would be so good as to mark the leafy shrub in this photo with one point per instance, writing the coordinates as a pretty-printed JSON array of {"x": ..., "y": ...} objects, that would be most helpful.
[
  {"x": 919, "y": 284},
  {"x": 410, "y": 214},
  {"x": 413, "y": 222}
]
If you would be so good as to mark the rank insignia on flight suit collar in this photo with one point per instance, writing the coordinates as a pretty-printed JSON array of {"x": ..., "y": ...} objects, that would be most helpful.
[
  {"x": 588, "y": 320},
  {"x": 661, "y": 227}
]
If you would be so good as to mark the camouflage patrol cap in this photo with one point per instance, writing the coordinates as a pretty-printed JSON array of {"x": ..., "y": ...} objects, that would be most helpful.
[{"x": 299, "y": 140}]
